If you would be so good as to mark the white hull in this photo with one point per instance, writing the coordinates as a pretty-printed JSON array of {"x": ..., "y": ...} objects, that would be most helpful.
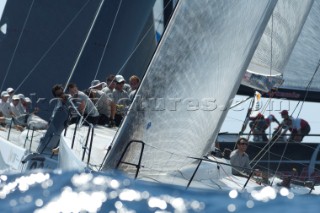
[
  {"x": 14, "y": 146},
  {"x": 71, "y": 158},
  {"x": 210, "y": 175}
]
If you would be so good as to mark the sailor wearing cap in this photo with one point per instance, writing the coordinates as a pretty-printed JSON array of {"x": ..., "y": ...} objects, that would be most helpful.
[
  {"x": 97, "y": 84},
  {"x": 297, "y": 126},
  {"x": 120, "y": 98},
  {"x": 10, "y": 91},
  {"x": 15, "y": 106},
  {"x": 5, "y": 105}
]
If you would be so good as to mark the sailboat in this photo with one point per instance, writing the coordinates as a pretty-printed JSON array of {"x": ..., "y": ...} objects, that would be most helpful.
[
  {"x": 299, "y": 76},
  {"x": 167, "y": 131},
  {"x": 158, "y": 129}
]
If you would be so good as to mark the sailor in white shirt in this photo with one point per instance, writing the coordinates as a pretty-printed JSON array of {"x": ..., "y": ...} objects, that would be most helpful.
[
  {"x": 5, "y": 105},
  {"x": 15, "y": 106}
]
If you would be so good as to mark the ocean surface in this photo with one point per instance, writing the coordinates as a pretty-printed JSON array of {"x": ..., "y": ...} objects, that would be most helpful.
[{"x": 57, "y": 191}]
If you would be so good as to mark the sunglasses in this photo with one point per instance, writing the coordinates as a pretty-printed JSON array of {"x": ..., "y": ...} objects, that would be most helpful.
[{"x": 244, "y": 144}]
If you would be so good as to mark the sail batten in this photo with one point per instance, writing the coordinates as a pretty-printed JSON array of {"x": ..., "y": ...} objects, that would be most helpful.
[{"x": 191, "y": 80}]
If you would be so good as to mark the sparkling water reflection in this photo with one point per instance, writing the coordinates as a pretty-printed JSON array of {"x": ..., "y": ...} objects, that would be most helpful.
[{"x": 56, "y": 191}]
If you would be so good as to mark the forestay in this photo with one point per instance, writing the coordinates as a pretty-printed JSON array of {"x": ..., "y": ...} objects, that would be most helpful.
[{"x": 192, "y": 79}]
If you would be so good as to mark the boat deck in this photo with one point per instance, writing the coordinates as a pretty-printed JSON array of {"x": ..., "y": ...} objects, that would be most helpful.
[
  {"x": 75, "y": 151},
  {"x": 26, "y": 139}
]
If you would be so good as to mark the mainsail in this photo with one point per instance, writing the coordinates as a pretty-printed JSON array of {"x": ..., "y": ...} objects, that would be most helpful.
[
  {"x": 277, "y": 42},
  {"x": 191, "y": 81}
]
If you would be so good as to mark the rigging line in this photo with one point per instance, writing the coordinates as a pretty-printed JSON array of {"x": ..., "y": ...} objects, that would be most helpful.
[
  {"x": 228, "y": 176},
  {"x": 107, "y": 42},
  {"x": 284, "y": 151},
  {"x": 272, "y": 141},
  {"x": 245, "y": 122},
  {"x": 80, "y": 54},
  {"x": 269, "y": 100},
  {"x": 263, "y": 151},
  {"x": 103, "y": 53},
  {"x": 308, "y": 86},
  {"x": 18, "y": 43},
  {"x": 104, "y": 50},
  {"x": 84, "y": 43},
  {"x": 108, "y": 39},
  {"x": 240, "y": 102},
  {"x": 255, "y": 122},
  {"x": 271, "y": 63},
  {"x": 278, "y": 156},
  {"x": 134, "y": 50},
  {"x": 122, "y": 67},
  {"x": 307, "y": 90},
  {"x": 53, "y": 44},
  {"x": 129, "y": 57}
]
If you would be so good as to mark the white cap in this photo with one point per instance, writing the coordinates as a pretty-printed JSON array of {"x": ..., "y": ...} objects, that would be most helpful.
[
  {"x": 96, "y": 83},
  {"x": 119, "y": 78},
  {"x": 27, "y": 99},
  {"x": 15, "y": 97},
  {"x": 21, "y": 96},
  {"x": 10, "y": 89},
  {"x": 4, "y": 94}
]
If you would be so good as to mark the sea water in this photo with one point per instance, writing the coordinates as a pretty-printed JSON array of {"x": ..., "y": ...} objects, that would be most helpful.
[{"x": 57, "y": 191}]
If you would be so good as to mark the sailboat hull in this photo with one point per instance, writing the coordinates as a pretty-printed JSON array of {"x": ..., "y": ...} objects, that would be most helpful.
[{"x": 283, "y": 158}]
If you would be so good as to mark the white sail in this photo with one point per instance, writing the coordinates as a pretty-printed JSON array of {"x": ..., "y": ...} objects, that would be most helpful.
[
  {"x": 303, "y": 63},
  {"x": 191, "y": 80},
  {"x": 276, "y": 45}
]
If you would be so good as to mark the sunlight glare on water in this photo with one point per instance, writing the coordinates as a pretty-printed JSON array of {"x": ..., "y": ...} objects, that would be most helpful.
[
  {"x": 265, "y": 194},
  {"x": 71, "y": 201},
  {"x": 77, "y": 192},
  {"x": 115, "y": 184},
  {"x": 250, "y": 204},
  {"x": 233, "y": 194},
  {"x": 81, "y": 179},
  {"x": 3, "y": 178},
  {"x": 232, "y": 207},
  {"x": 155, "y": 202},
  {"x": 130, "y": 195},
  {"x": 284, "y": 191},
  {"x": 23, "y": 183},
  {"x": 178, "y": 203}
]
